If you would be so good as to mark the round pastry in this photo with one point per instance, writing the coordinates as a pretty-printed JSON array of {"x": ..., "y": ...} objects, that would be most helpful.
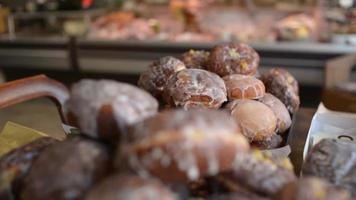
[
  {"x": 243, "y": 87},
  {"x": 335, "y": 161},
  {"x": 129, "y": 187},
  {"x": 233, "y": 58},
  {"x": 312, "y": 188},
  {"x": 258, "y": 172},
  {"x": 66, "y": 170},
  {"x": 192, "y": 88},
  {"x": 274, "y": 141},
  {"x": 195, "y": 59},
  {"x": 178, "y": 145},
  {"x": 106, "y": 109},
  {"x": 155, "y": 78},
  {"x": 15, "y": 165},
  {"x": 284, "y": 120},
  {"x": 256, "y": 120},
  {"x": 283, "y": 85}
]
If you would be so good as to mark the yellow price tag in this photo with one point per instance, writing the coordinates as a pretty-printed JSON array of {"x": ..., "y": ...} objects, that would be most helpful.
[{"x": 14, "y": 135}]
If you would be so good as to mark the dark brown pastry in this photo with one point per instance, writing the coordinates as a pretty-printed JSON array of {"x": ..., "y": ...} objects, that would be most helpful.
[
  {"x": 258, "y": 172},
  {"x": 243, "y": 87},
  {"x": 311, "y": 188},
  {"x": 238, "y": 196},
  {"x": 155, "y": 78},
  {"x": 335, "y": 161},
  {"x": 106, "y": 109},
  {"x": 256, "y": 120},
  {"x": 129, "y": 187},
  {"x": 195, "y": 88},
  {"x": 66, "y": 170},
  {"x": 196, "y": 59},
  {"x": 178, "y": 145},
  {"x": 284, "y": 120},
  {"x": 233, "y": 58},
  {"x": 283, "y": 85},
  {"x": 15, "y": 165},
  {"x": 272, "y": 142}
]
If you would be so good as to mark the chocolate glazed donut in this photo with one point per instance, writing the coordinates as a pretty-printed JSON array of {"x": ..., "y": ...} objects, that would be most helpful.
[
  {"x": 155, "y": 78},
  {"x": 233, "y": 58},
  {"x": 283, "y": 85},
  {"x": 66, "y": 170},
  {"x": 196, "y": 59},
  {"x": 105, "y": 109},
  {"x": 178, "y": 145},
  {"x": 15, "y": 165},
  {"x": 129, "y": 187},
  {"x": 195, "y": 88}
]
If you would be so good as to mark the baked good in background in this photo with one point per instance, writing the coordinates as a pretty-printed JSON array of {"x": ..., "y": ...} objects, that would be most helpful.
[
  {"x": 233, "y": 58},
  {"x": 284, "y": 120},
  {"x": 66, "y": 170},
  {"x": 178, "y": 145},
  {"x": 156, "y": 76},
  {"x": 196, "y": 59},
  {"x": 284, "y": 86},
  {"x": 16, "y": 164},
  {"x": 296, "y": 27},
  {"x": 129, "y": 187},
  {"x": 256, "y": 120},
  {"x": 243, "y": 87},
  {"x": 312, "y": 188},
  {"x": 195, "y": 88},
  {"x": 333, "y": 160},
  {"x": 105, "y": 109}
]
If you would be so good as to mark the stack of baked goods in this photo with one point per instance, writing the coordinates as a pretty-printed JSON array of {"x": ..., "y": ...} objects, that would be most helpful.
[{"x": 207, "y": 141}]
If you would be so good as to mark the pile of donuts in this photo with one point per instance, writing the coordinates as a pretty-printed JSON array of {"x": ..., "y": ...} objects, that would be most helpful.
[{"x": 200, "y": 128}]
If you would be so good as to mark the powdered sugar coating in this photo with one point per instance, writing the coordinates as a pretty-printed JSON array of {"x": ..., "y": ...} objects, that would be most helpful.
[
  {"x": 257, "y": 121},
  {"x": 284, "y": 120},
  {"x": 243, "y": 87},
  {"x": 233, "y": 58},
  {"x": 155, "y": 78},
  {"x": 192, "y": 88},
  {"x": 129, "y": 104},
  {"x": 129, "y": 187},
  {"x": 196, "y": 143}
]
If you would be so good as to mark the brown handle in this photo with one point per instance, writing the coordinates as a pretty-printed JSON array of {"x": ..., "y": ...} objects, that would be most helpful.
[{"x": 33, "y": 87}]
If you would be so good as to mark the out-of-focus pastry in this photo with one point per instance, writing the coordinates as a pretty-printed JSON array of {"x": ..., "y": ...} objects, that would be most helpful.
[
  {"x": 15, "y": 165},
  {"x": 232, "y": 58},
  {"x": 335, "y": 161},
  {"x": 156, "y": 76},
  {"x": 178, "y": 145},
  {"x": 258, "y": 172},
  {"x": 105, "y": 109},
  {"x": 256, "y": 120},
  {"x": 282, "y": 85},
  {"x": 312, "y": 188},
  {"x": 243, "y": 87},
  {"x": 66, "y": 170},
  {"x": 195, "y": 88},
  {"x": 129, "y": 187},
  {"x": 284, "y": 120},
  {"x": 296, "y": 27},
  {"x": 196, "y": 59}
]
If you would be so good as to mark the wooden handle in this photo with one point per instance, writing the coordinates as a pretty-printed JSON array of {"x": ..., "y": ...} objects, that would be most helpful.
[{"x": 33, "y": 87}]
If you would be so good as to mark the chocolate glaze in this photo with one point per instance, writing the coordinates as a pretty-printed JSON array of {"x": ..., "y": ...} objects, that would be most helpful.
[
  {"x": 155, "y": 78},
  {"x": 335, "y": 161},
  {"x": 195, "y": 88},
  {"x": 283, "y": 85}
]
